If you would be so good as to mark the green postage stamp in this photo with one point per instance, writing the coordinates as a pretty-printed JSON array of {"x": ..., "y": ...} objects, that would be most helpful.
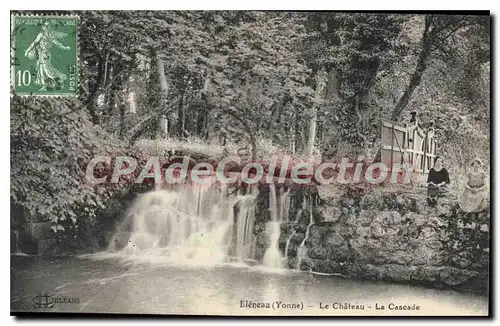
[{"x": 44, "y": 55}]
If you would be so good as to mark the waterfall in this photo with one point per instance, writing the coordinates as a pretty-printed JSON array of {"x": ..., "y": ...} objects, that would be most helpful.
[
  {"x": 288, "y": 243},
  {"x": 17, "y": 248},
  {"x": 284, "y": 205},
  {"x": 302, "y": 250},
  {"x": 190, "y": 224},
  {"x": 272, "y": 256},
  {"x": 244, "y": 227},
  {"x": 301, "y": 209}
]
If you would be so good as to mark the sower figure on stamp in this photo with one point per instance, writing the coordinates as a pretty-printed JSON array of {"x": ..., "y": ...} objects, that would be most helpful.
[{"x": 40, "y": 49}]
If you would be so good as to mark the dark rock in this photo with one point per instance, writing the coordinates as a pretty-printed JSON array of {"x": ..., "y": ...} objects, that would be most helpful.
[
  {"x": 300, "y": 228},
  {"x": 327, "y": 266},
  {"x": 428, "y": 233},
  {"x": 383, "y": 217},
  {"x": 377, "y": 230},
  {"x": 423, "y": 208},
  {"x": 47, "y": 247},
  {"x": 40, "y": 230},
  {"x": 371, "y": 272},
  {"x": 484, "y": 228},
  {"x": 259, "y": 228},
  {"x": 333, "y": 239},
  {"x": 363, "y": 232},
  {"x": 316, "y": 231},
  {"x": 334, "y": 266},
  {"x": 320, "y": 265},
  {"x": 402, "y": 258},
  {"x": 455, "y": 276},
  {"x": 427, "y": 274},
  {"x": 401, "y": 201},
  {"x": 424, "y": 255},
  {"x": 460, "y": 262},
  {"x": 434, "y": 244},
  {"x": 312, "y": 242},
  {"x": 393, "y": 236},
  {"x": 305, "y": 264},
  {"x": 349, "y": 202},
  {"x": 298, "y": 237},
  {"x": 395, "y": 218},
  {"x": 398, "y": 238},
  {"x": 338, "y": 253},
  {"x": 317, "y": 252},
  {"x": 445, "y": 210},
  {"x": 397, "y": 273},
  {"x": 364, "y": 218},
  {"x": 484, "y": 216},
  {"x": 329, "y": 214},
  {"x": 416, "y": 219},
  {"x": 371, "y": 201},
  {"x": 26, "y": 244},
  {"x": 379, "y": 259}
]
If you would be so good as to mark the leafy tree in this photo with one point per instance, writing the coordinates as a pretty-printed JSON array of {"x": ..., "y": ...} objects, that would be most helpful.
[
  {"x": 439, "y": 40},
  {"x": 352, "y": 48},
  {"x": 50, "y": 138},
  {"x": 298, "y": 81}
]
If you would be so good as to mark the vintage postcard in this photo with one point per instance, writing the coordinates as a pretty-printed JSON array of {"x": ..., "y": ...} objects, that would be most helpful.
[{"x": 250, "y": 163}]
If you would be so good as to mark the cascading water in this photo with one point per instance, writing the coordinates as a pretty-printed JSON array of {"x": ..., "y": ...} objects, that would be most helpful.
[
  {"x": 301, "y": 209},
  {"x": 272, "y": 257},
  {"x": 192, "y": 224},
  {"x": 287, "y": 246},
  {"x": 17, "y": 247},
  {"x": 244, "y": 227},
  {"x": 302, "y": 250},
  {"x": 284, "y": 205}
]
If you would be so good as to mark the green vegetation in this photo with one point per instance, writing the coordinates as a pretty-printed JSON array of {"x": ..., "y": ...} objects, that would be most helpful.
[{"x": 301, "y": 82}]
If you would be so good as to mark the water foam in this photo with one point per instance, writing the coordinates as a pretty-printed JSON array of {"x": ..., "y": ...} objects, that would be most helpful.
[{"x": 193, "y": 224}]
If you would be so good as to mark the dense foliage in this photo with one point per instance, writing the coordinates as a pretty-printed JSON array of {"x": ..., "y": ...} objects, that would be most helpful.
[
  {"x": 250, "y": 78},
  {"x": 49, "y": 140}
]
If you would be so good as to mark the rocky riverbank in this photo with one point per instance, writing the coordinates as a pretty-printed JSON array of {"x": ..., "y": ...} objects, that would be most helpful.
[
  {"x": 379, "y": 234},
  {"x": 386, "y": 236}
]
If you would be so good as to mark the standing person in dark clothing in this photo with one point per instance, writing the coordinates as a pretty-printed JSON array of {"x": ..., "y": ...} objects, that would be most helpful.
[{"x": 437, "y": 180}]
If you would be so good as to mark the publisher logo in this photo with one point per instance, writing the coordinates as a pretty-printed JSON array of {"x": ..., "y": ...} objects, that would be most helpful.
[
  {"x": 43, "y": 301},
  {"x": 48, "y": 301}
]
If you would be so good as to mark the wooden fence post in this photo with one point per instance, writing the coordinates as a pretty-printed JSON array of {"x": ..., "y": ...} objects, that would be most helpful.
[
  {"x": 425, "y": 151},
  {"x": 392, "y": 145}
]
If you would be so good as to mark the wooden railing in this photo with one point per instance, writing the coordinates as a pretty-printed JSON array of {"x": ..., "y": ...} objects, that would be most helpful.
[{"x": 407, "y": 144}]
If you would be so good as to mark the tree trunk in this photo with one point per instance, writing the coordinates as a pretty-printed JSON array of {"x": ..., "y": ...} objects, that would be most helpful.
[
  {"x": 110, "y": 98},
  {"x": 162, "y": 127},
  {"x": 162, "y": 80},
  {"x": 182, "y": 117},
  {"x": 320, "y": 84},
  {"x": 312, "y": 133},
  {"x": 182, "y": 110},
  {"x": 333, "y": 85},
  {"x": 91, "y": 103},
  {"x": 200, "y": 123},
  {"x": 360, "y": 123},
  {"x": 291, "y": 133},
  {"x": 417, "y": 74},
  {"x": 205, "y": 95},
  {"x": 123, "y": 126},
  {"x": 248, "y": 130}
]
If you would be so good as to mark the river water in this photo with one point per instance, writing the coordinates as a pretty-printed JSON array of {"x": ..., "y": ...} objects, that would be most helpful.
[{"x": 112, "y": 284}]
